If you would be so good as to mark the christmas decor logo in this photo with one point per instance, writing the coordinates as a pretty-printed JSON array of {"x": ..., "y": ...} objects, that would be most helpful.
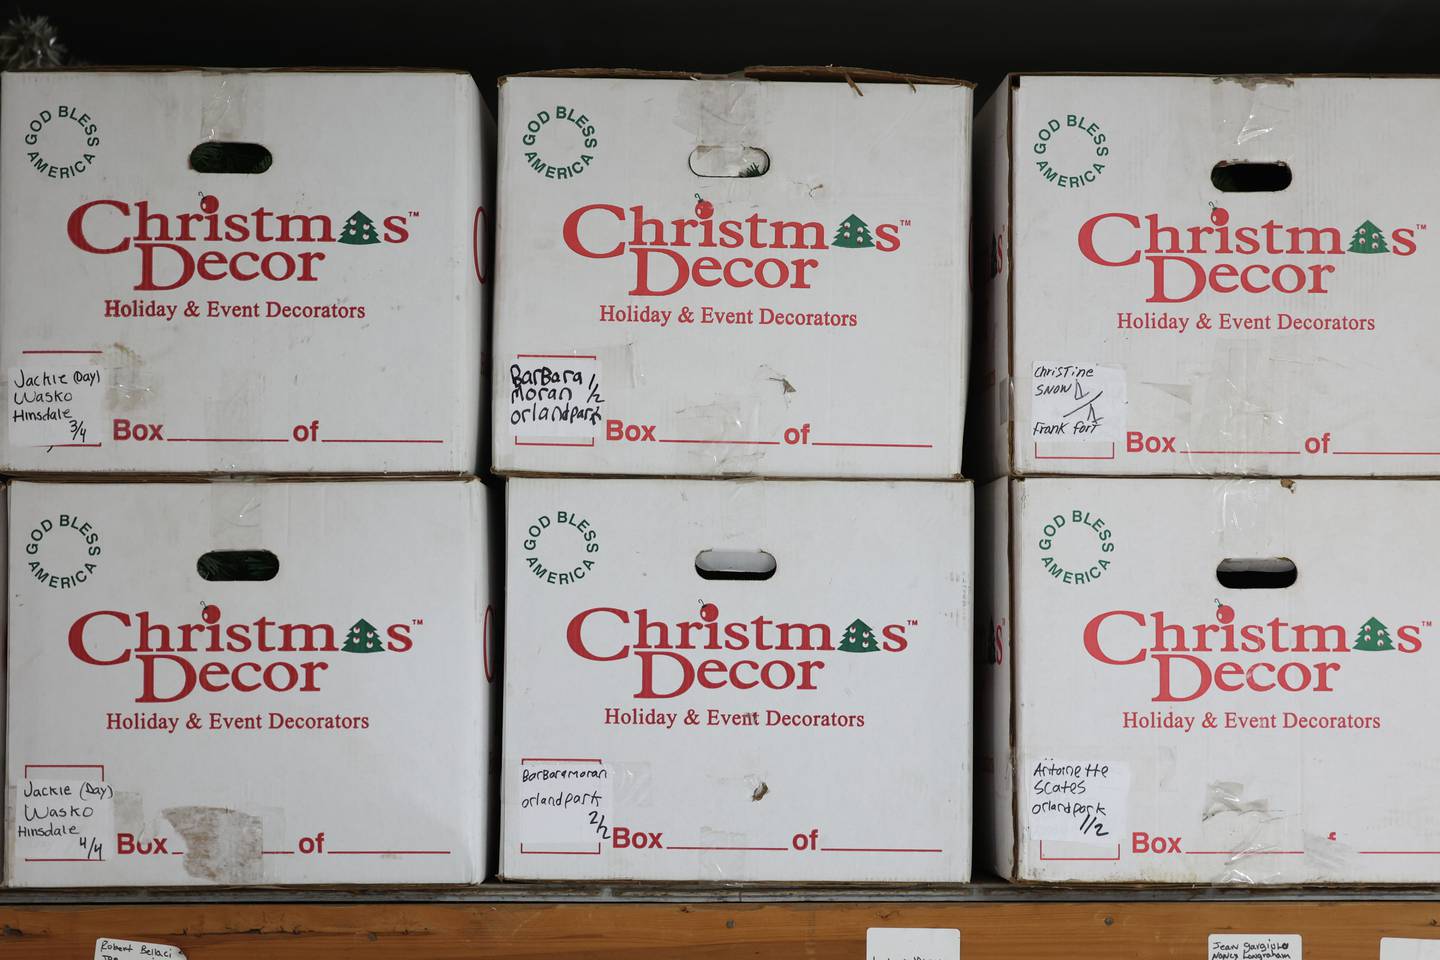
[
  {"x": 764, "y": 653},
  {"x": 1186, "y": 261},
  {"x": 671, "y": 255},
  {"x": 174, "y": 249},
  {"x": 261, "y": 655},
  {"x": 1228, "y": 657}
]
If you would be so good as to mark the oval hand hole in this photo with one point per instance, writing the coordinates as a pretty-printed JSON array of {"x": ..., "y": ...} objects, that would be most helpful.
[
  {"x": 734, "y": 565},
  {"x": 729, "y": 162},
  {"x": 216, "y": 156},
  {"x": 1237, "y": 176},
  {"x": 1256, "y": 573},
  {"x": 238, "y": 565}
]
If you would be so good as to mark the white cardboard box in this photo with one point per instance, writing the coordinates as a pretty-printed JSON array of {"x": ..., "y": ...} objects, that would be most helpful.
[
  {"x": 1135, "y": 319},
  {"x": 324, "y": 316},
  {"x": 812, "y": 726},
  {"x": 132, "y": 762},
  {"x": 1148, "y": 721},
  {"x": 812, "y": 320}
]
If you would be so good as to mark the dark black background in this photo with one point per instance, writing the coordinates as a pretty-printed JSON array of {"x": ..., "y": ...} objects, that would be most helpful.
[{"x": 977, "y": 41}]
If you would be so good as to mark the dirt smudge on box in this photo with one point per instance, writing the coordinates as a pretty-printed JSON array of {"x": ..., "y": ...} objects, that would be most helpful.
[{"x": 222, "y": 845}]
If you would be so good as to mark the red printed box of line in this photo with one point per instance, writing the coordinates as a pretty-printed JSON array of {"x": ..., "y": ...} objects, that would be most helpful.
[{"x": 191, "y": 280}]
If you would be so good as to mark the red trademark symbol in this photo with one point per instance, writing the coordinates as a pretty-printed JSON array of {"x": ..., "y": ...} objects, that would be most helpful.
[
  {"x": 1427, "y": 623},
  {"x": 1421, "y": 226},
  {"x": 418, "y": 622},
  {"x": 414, "y": 213},
  {"x": 904, "y": 221},
  {"x": 913, "y": 623}
]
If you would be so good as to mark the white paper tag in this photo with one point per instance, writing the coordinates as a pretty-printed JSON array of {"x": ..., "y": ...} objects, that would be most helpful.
[
  {"x": 64, "y": 820},
  {"x": 1405, "y": 948},
  {"x": 912, "y": 943},
  {"x": 1080, "y": 801},
  {"x": 54, "y": 403},
  {"x": 555, "y": 396},
  {"x": 108, "y": 949},
  {"x": 1077, "y": 401},
  {"x": 1254, "y": 946},
  {"x": 564, "y": 803}
]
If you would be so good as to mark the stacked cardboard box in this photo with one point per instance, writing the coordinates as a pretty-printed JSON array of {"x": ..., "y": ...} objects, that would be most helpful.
[
  {"x": 212, "y": 680},
  {"x": 714, "y": 281},
  {"x": 1200, "y": 297}
]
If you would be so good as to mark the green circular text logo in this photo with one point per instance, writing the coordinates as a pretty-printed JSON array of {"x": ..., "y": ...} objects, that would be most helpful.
[
  {"x": 560, "y": 142},
  {"x": 61, "y": 141},
  {"x": 560, "y": 547},
  {"x": 1070, "y": 151},
  {"x": 62, "y": 552},
  {"x": 1075, "y": 546}
]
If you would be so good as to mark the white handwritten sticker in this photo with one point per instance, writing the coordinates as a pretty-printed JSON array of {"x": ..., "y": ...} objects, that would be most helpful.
[
  {"x": 1404, "y": 948},
  {"x": 564, "y": 803},
  {"x": 555, "y": 396},
  {"x": 1081, "y": 801},
  {"x": 64, "y": 820},
  {"x": 107, "y": 949},
  {"x": 1077, "y": 401},
  {"x": 55, "y": 403},
  {"x": 912, "y": 943},
  {"x": 1254, "y": 946}
]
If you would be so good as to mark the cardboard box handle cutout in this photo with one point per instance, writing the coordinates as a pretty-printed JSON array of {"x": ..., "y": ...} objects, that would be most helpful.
[
  {"x": 734, "y": 565},
  {"x": 727, "y": 160},
  {"x": 1243, "y": 176},
  {"x": 1256, "y": 573},
  {"x": 232, "y": 565},
  {"x": 215, "y": 156}
]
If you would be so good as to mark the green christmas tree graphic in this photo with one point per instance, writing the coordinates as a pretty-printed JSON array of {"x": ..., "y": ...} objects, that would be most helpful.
[
  {"x": 359, "y": 229},
  {"x": 1373, "y": 635},
  {"x": 1368, "y": 238},
  {"x": 859, "y": 638},
  {"x": 362, "y": 638},
  {"x": 852, "y": 232}
]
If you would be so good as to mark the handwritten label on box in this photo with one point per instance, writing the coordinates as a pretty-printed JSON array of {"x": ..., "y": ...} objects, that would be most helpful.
[
  {"x": 555, "y": 396},
  {"x": 1081, "y": 801},
  {"x": 1077, "y": 401},
  {"x": 108, "y": 949},
  {"x": 564, "y": 803},
  {"x": 1254, "y": 946},
  {"x": 912, "y": 943},
  {"x": 64, "y": 820},
  {"x": 55, "y": 403}
]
